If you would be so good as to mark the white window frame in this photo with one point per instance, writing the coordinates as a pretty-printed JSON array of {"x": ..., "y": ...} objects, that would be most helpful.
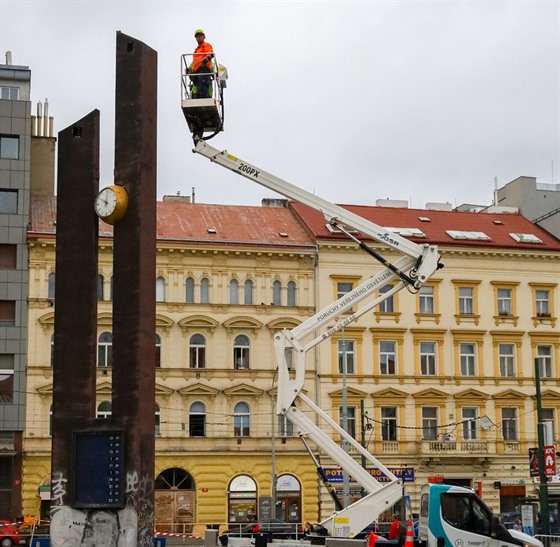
[
  {"x": 428, "y": 358},
  {"x": 469, "y": 416},
  {"x": 387, "y": 305},
  {"x": 426, "y": 300},
  {"x": 542, "y": 302},
  {"x": 350, "y": 419},
  {"x": 430, "y": 423},
  {"x": 385, "y": 358},
  {"x": 197, "y": 351},
  {"x": 509, "y": 433},
  {"x": 241, "y": 353},
  {"x": 241, "y": 420},
  {"x": 505, "y": 301},
  {"x": 105, "y": 350},
  {"x": 197, "y": 410},
  {"x": 507, "y": 360},
  {"x": 467, "y": 359},
  {"x": 466, "y": 301},
  {"x": 545, "y": 360},
  {"x": 346, "y": 348},
  {"x": 160, "y": 289},
  {"x": 389, "y": 421}
]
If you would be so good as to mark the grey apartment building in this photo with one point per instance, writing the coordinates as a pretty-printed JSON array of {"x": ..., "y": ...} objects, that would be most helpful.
[{"x": 15, "y": 166}]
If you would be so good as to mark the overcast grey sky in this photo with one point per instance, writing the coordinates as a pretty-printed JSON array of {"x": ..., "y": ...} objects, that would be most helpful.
[{"x": 421, "y": 101}]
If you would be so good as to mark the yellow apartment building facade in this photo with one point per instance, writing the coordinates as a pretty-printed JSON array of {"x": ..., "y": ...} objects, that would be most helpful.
[
  {"x": 445, "y": 376},
  {"x": 227, "y": 279}
]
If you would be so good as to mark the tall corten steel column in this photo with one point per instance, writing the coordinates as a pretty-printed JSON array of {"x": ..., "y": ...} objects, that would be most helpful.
[
  {"x": 134, "y": 353},
  {"x": 75, "y": 337}
]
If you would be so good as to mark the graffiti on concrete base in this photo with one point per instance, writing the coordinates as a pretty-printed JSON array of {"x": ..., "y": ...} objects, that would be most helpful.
[
  {"x": 75, "y": 528},
  {"x": 58, "y": 489}
]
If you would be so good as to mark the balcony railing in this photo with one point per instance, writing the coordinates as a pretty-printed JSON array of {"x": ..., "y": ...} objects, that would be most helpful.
[
  {"x": 390, "y": 447},
  {"x": 469, "y": 447},
  {"x": 456, "y": 447}
]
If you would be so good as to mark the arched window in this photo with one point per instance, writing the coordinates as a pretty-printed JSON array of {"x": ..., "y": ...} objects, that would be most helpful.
[
  {"x": 205, "y": 291},
  {"x": 52, "y": 350},
  {"x": 291, "y": 293},
  {"x": 105, "y": 350},
  {"x": 104, "y": 410},
  {"x": 197, "y": 420},
  {"x": 51, "y": 283},
  {"x": 241, "y": 420},
  {"x": 111, "y": 290},
  {"x": 189, "y": 286},
  {"x": 158, "y": 351},
  {"x": 234, "y": 292},
  {"x": 277, "y": 293},
  {"x": 241, "y": 347},
  {"x": 100, "y": 287},
  {"x": 242, "y": 497},
  {"x": 158, "y": 421},
  {"x": 174, "y": 478},
  {"x": 160, "y": 289},
  {"x": 197, "y": 351},
  {"x": 289, "y": 496},
  {"x": 248, "y": 292}
]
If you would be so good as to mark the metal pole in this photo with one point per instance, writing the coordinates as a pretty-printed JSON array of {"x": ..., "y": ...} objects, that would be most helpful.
[
  {"x": 274, "y": 492},
  {"x": 543, "y": 489},
  {"x": 363, "y": 435},
  {"x": 345, "y": 477}
]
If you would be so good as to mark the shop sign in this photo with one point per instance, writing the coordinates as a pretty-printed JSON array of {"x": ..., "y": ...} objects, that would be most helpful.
[
  {"x": 406, "y": 474},
  {"x": 549, "y": 461}
]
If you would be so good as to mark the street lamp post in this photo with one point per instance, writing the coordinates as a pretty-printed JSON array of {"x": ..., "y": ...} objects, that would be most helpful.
[
  {"x": 543, "y": 489},
  {"x": 345, "y": 477}
]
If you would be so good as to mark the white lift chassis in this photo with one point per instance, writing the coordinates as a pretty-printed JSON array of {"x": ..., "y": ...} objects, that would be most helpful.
[{"x": 411, "y": 270}]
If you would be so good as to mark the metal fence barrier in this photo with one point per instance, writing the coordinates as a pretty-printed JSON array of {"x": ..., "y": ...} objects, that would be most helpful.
[{"x": 549, "y": 541}]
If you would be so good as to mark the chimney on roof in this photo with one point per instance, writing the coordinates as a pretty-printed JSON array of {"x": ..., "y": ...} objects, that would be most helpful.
[
  {"x": 395, "y": 203},
  {"x": 434, "y": 206},
  {"x": 43, "y": 144},
  {"x": 177, "y": 199},
  {"x": 275, "y": 202}
]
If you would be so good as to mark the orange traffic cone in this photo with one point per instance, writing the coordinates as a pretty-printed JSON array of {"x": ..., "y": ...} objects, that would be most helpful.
[
  {"x": 409, "y": 539},
  {"x": 373, "y": 537}
]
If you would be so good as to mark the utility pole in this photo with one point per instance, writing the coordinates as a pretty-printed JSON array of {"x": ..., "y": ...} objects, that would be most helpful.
[
  {"x": 345, "y": 476},
  {"x": 543, "y": 489},
  {"x": 363, "y": 436},
  {"x": 274, "y": 491}
]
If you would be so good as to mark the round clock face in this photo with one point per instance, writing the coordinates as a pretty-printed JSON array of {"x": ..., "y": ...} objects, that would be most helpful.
[
  {"x": 111, "y": 204},
  {"x": 106, "y": 202}
]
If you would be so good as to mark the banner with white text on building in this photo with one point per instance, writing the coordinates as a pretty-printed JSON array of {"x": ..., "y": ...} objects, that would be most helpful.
[{"x": 406, "y": 474}]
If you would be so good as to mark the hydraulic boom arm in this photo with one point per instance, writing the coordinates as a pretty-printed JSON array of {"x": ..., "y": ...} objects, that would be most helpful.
[{"x": 411, "y": 270}]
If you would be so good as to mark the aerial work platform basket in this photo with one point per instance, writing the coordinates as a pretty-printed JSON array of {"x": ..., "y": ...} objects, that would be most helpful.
[{"x": 203, "y": 114}]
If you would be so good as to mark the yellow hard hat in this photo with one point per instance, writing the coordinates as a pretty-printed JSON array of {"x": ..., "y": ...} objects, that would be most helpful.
[{"x": 199, "y": 31}]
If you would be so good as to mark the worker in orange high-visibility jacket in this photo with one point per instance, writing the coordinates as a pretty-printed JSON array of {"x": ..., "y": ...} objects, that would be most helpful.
[{"x": 202, "y": 64}]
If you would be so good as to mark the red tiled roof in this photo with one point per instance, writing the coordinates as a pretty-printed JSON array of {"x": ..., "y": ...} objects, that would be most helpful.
[
  {"x": 439, "y": 223},
  {"x": 191, "y": 222}
]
